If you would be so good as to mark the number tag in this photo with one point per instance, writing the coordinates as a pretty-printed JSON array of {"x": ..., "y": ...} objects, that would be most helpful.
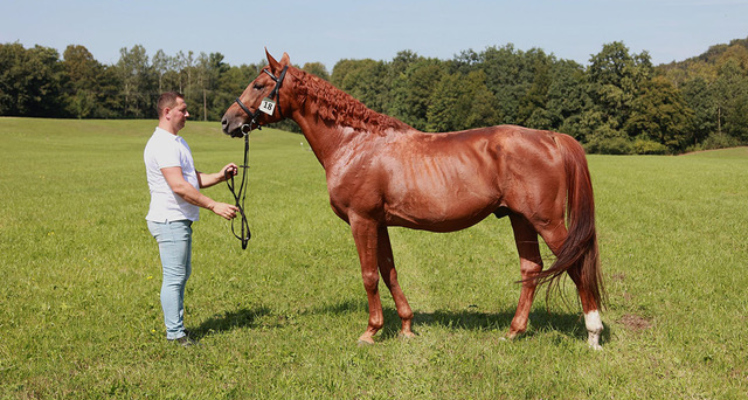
[{"x": 267, "y": 106}]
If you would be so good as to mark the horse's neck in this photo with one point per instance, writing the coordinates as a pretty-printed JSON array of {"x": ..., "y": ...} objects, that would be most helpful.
[
  {"x": 327, "y": 131},
  {"x": 325, "y": 139}
]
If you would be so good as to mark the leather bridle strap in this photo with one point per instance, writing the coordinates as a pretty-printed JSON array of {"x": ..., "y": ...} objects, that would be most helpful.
[
  {"x": 274, "y": 95},
  {"x": 241, "y": 195}
]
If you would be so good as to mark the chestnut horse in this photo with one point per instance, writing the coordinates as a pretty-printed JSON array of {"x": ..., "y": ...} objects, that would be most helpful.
[{"x": 381, "y": 172}]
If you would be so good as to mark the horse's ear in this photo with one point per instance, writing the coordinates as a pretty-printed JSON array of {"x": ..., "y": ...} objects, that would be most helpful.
[
  {"x": 285, "y": 60},
  {"x": 274, "y": 65}
]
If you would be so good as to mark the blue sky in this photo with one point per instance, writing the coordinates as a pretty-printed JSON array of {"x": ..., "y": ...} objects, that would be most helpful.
[{"x": 328, "y": 31}]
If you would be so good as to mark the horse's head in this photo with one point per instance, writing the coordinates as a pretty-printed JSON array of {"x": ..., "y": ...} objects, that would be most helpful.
[{"x": 262, "y": 102}]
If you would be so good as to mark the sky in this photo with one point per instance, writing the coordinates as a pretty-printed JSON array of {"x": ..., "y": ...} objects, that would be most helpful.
[{"x": 330, "y": 31}]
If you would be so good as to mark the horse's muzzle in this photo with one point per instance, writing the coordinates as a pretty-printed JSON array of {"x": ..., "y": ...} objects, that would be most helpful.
[{"x": 233, "y": 130}]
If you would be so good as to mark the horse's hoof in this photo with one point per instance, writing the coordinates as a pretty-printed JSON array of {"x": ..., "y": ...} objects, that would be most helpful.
[
  {"x": 406, "y": 335},
  {"x": 365, "y": 341},
  {"x": 595, "y": 346},
  {"x": 511, "y": 336}
]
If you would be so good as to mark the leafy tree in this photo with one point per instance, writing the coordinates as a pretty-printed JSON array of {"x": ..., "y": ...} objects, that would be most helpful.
[
  {"x": 615, "y": 78},
  {"x": 731, "y": 95},
  {"x": 447, "y": 109},
  {"x": 399, "y": 65},
  {"x": 484, "y": 107},
  {"x": 510, "y": 74},
  {"x": 364, "y": 80},
  {"x": 462, "y": 102},
  {"x": 659, "y": 114},
  {"x": 13, "y": 91},
  {"x": 411, "y": 92},
  {"x": 31, "y": 82},
  {"x": 232, "y": 83},
  {"x": 697, "y": 93},
  {"x": 161, "y": 63},
  {"x": 532, "y": 110},
  {"x": 205, "y": 74},
  {"x": 465, "y": 62},
  {"x": 138, "y": 93},
  {"x": 216, "y": 69},
  {"x": 318, "y": 69},
  {"x": 567, "y": 98},
  {"x": 90, "y": 88}
]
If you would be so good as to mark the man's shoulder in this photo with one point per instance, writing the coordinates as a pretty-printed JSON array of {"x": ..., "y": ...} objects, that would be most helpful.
[{"x": 161, "y": 138}]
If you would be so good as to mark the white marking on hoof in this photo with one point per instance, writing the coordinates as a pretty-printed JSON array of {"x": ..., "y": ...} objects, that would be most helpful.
[{"x": 594, "y": 329}]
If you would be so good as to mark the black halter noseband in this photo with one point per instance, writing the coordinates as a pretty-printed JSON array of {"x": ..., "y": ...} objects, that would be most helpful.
[{"x": 246, "y": 128}]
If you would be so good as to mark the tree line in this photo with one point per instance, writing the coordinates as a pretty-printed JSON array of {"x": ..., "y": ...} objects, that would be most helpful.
[{"x": 618, "y": 104}]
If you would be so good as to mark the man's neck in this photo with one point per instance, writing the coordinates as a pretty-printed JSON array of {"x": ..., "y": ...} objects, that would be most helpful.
[{"x": 167, "y": 127}]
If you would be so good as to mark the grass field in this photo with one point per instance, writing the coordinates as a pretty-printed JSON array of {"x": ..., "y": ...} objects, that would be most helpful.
[{"x": 79, "y": 299}]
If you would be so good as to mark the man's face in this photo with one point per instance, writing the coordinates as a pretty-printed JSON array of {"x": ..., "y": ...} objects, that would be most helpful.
[{"x": 178, "y": 115}]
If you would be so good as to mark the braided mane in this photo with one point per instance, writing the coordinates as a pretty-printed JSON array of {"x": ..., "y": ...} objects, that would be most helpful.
[{"x": 334, "y": 106}]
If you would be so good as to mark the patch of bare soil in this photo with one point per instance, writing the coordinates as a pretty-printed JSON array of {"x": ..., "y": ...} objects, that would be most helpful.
[{"x": 634, "y": 322}]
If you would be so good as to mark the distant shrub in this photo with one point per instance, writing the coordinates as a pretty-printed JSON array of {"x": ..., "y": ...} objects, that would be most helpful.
[
  {"x": 716, "y": 141},
  {"x": 643, "y": 146},
  {"x": 615, "y": 145}
]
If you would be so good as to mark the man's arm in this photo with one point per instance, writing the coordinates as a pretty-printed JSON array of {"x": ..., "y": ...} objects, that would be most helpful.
[
  {"x": 208, "y": 180},
  {"x": 180, "y": 186}
]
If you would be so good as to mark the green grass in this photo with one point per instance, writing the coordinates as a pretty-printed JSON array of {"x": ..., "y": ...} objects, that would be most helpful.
[{"x": 79, "y": 300}]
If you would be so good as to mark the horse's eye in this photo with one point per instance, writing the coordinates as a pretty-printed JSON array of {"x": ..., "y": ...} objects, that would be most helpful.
[{"x": 258, "y": 86}]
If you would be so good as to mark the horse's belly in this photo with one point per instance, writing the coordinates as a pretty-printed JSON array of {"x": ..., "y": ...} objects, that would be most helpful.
[{"x": 439, "y": 214}]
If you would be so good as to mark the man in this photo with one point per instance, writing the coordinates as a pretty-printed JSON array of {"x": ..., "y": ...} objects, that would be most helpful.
[{"x": 175, "y": 204}]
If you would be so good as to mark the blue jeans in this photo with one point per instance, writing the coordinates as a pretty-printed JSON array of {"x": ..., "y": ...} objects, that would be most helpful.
[{"x": 175, "y": 247}]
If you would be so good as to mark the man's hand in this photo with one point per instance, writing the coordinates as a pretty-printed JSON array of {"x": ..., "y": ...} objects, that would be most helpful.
[
  {"x": 229, "y": 171},
  {"x": 225, "y": 210}
]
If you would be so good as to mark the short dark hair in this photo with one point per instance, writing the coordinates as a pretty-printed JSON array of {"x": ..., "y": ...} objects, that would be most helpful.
[{"x": 167, "y": 100}]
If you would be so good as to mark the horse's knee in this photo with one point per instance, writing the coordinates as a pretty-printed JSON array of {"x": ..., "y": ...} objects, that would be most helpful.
[
  {"x": 371, "y": 280},
  {"x": 528, "y": 269}
]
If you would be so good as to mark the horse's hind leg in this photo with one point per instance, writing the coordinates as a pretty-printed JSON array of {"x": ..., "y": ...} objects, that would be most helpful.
[
  {"x": 389, "y": 275},
  {"x": 531, "y": 263},
  {"x": 554, "y": 238},
  {"x": 592, "y": 319}
]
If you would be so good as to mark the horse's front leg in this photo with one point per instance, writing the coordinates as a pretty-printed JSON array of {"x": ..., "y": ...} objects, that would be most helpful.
[
  {"x": 366, "y": 236},
  {"x": 389, "y": 275}
]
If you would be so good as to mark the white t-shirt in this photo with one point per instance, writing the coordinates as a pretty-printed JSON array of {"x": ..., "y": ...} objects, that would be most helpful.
[{"x": 162, "y": 151}]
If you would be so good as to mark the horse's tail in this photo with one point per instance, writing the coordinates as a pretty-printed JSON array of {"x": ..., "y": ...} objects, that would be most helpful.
[{"x": 579, "y": 253}]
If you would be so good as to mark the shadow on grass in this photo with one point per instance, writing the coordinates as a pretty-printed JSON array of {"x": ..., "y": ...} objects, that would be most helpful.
[
  {"x": 229, "y": 320},
  {"x": 566, "y": 323}
]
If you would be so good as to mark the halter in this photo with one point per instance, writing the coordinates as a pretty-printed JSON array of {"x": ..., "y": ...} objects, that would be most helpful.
[
  {"x": 274, "y": 95},
  {"x": 241, "y": 195}
]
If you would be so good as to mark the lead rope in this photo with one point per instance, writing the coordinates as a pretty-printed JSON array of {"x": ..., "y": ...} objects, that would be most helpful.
[{"x": 241, "y": 195}]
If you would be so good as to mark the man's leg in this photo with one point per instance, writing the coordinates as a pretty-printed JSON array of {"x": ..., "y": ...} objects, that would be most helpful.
[{"x": 175, "y": 247}]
